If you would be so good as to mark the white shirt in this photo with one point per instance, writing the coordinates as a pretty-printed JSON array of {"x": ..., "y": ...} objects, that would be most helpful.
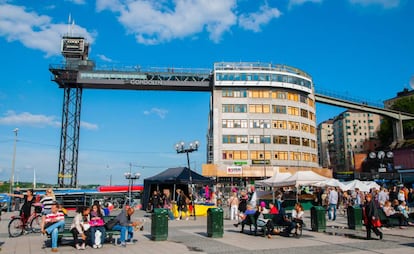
[{"x": 333, "y": 197}]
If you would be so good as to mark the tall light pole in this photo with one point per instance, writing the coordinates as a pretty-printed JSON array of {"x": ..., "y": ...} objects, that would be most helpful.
[
  {"x": 192, "y": 147},
  {"x": 16, "y": 130},
  {"x": 131, "y": 177}
]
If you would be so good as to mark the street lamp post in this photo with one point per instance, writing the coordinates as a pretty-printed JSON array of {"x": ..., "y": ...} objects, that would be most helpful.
[
  {"x": 192, "y": 147},
  {"x": 131, "y": 177},
  {"x": 16, "y": 130}
]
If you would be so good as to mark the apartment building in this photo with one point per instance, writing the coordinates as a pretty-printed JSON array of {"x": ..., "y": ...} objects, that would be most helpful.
[
  {"x": 262, "y": 120},
  {"x": 351, "y": 130}
]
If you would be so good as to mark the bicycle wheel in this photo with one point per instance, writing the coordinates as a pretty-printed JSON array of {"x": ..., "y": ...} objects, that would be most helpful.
[
  {"x": 15, "y": 227},
  {"x": 35, "y": 224}
]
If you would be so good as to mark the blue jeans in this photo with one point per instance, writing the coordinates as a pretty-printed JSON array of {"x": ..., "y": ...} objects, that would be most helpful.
[
  {"x": 332, "y": 207},
  {"x": 103, "y": 236},
  {"x": 170, "y": 214},
  {"x": 124, "y": 230},
  {"x": 53, "y": 231}
]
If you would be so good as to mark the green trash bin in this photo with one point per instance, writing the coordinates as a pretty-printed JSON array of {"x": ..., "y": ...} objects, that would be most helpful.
[
  {"x": 354, "y": 214},
  {"x": 215, "y": 222},
  {"x": 318, "y": 219},
  {"x": 159, "y": 224}
]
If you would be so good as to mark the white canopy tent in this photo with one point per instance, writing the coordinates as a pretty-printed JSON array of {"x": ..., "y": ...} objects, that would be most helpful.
[
  {"x": 276, "y": 178},
  {"x": 301, "y": 178},
  {"x": 271, "y": 181},
  {"x": 330, "y": 182},
  {"x": 361, "y": 185}
]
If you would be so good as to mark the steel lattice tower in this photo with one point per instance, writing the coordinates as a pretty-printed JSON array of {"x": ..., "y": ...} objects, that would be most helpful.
[{"x": 75, "y": 51}]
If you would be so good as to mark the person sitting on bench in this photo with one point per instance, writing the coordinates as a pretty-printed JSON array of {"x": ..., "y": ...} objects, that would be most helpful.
[
  {"x": 282, "y": 220},
  {"x": 125, "y": 225},
  {"x": 51, "y": 223},
  {"x": 250, "y": 210}
]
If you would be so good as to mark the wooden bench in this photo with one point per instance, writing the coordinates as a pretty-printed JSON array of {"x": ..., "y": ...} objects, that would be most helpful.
[{"x": 66, "y": 233}]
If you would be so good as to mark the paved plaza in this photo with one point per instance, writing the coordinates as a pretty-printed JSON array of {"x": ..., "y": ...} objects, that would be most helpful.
[{"x": 191, "y": 237}]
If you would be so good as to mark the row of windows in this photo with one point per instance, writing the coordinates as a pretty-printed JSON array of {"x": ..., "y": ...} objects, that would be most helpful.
[
  {"x": 360, "y": 127},
  {"x": 267, "y": 124},
  {"x": 371, "y": 134},
  {"x": 268, "y": 155},
  {"x": 265, "y": 109},
  {"x": 267, "y": 139},
  {"x": 243, "y": 93},
  {"x": 263, "y": 77}
]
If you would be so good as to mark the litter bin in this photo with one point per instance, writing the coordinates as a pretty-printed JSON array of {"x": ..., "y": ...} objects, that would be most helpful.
[
  {"x": 318, "y": 219},
  {"x": 354, "y": 214},
  {"x": 159, "y": 224},
  {"x": 215, "y": 222}
]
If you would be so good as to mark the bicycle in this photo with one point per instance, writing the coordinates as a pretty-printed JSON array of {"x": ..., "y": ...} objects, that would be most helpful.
[{"x": 18, "y": 225}]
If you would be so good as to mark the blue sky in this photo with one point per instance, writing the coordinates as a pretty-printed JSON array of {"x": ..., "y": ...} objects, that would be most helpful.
[{"x": 357, "y": 48}]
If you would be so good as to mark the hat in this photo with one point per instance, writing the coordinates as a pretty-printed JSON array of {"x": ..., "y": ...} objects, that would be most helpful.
[{"x": 262, "y": 204}]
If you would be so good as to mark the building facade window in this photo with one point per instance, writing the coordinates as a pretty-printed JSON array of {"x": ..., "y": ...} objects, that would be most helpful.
[
  {"x": 294, "y": 140},
  {"x": 234, "y": 108},
  {"x": 278, "y": 109},
  {"x": 294, "y": 111},
  {"x": 234, "y": 155},
  {"x": 259, "y": 108},
  {"x": 235, "y": 139},
  {"x": 279, "y": 124},
  {"x": 280, "y": 140},
  {"x": 280, "y": 155}
]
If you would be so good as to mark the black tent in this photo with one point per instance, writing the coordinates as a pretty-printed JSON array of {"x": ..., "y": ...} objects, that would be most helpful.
[{"x": 172, "y": 178}]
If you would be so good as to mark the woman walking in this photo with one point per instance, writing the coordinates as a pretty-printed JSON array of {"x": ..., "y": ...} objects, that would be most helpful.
[{"x": 371, "y": 217}]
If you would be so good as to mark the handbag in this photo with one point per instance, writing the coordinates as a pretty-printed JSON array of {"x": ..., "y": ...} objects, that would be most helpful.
[
  {"x": 96, "y": 222},
  {"x": 111, "y": 223},
  {"x": 376, "y": 223}
]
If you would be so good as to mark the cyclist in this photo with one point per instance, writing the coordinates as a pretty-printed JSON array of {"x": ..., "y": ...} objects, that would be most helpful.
[{"x": 28, "y": 200}]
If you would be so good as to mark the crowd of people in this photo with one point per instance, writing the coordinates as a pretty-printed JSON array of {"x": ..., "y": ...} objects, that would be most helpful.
[
  {"x": 244, "y": 203},
  {"x": 88, "y": 226},
  {"x": 183, "y": 201}
]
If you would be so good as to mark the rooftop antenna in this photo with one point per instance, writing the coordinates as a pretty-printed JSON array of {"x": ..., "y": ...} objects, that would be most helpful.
[
  {"x": 69, "y": 21},
  {"x": 71, "y": 25}
]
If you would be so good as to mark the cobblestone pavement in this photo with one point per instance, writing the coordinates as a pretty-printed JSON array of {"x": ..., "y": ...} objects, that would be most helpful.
[{"x": 191, "y": 237}]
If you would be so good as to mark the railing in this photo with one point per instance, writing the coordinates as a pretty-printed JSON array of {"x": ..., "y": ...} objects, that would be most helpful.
[
  {"x": 259, "y": 66},
  {"x": 336, "y": 95},
  {"x": 138, "y": 68}
]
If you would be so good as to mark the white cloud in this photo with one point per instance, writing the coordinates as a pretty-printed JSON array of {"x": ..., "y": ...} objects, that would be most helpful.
[
  {"x": 154, "y": 22},
  {"x": 300, "y": 2},
  {"x": 33, "y": 30},
  {"x": 104, "y": 58},
  {"x": 162, "y": 113},
  {"x": 88, "y": 126},
  {"x": 254, "y": 21},
  {"x": 26, "y": 118},
  {"x": 80, "y": 2},
  {"x": 384, "y": 3}
]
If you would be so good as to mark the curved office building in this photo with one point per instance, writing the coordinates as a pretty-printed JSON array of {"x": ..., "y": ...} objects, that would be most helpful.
[{"x": 262, "y": 120}]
